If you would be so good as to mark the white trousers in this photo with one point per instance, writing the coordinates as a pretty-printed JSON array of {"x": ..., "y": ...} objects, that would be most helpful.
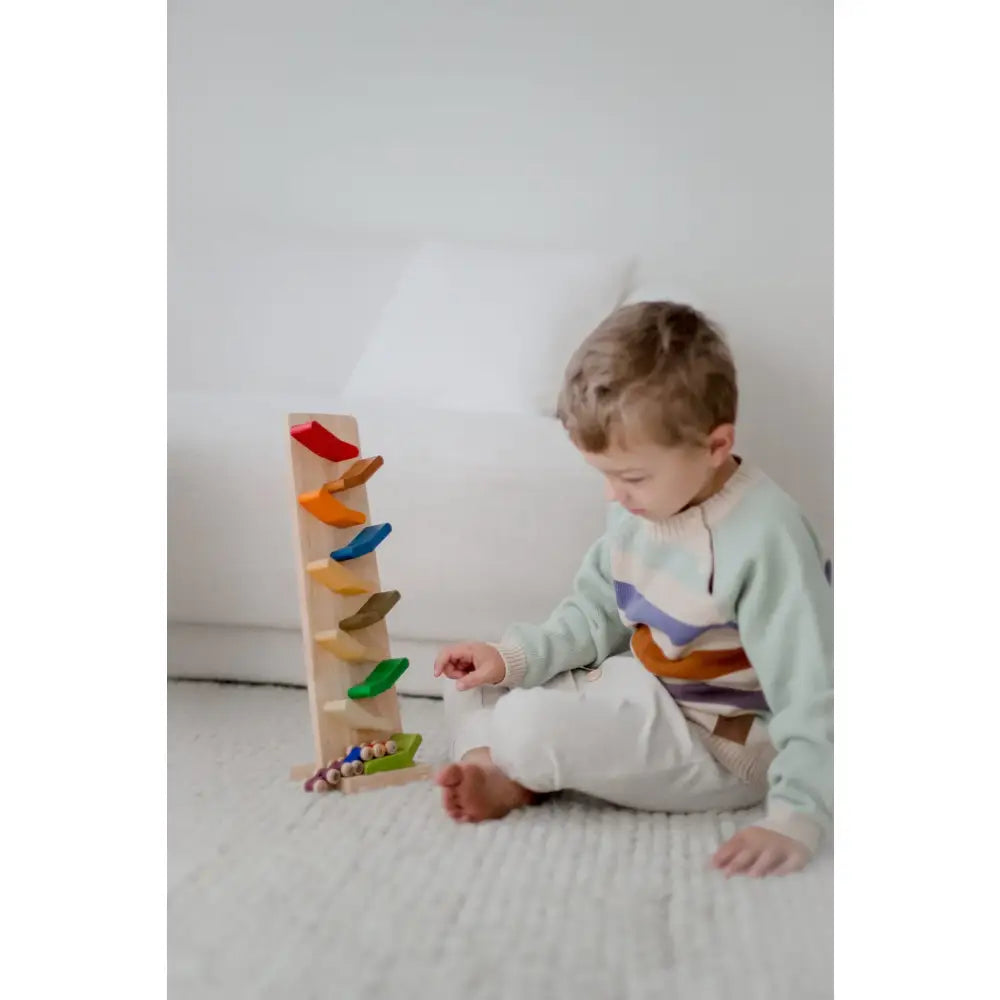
[{"x": 613, "y": 733}]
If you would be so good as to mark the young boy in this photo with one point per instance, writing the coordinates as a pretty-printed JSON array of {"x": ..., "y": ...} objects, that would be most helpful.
[{"x": 712, "y": 578}]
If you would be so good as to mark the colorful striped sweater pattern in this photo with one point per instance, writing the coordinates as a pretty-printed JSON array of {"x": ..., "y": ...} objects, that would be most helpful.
[{"x": 727, "y": 603}]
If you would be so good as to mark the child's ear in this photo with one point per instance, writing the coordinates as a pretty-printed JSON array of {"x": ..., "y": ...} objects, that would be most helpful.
[{"x": 721, "y": 442}]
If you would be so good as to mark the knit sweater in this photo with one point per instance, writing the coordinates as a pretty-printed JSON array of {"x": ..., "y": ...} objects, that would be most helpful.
[{"x": 728, "y": 605}]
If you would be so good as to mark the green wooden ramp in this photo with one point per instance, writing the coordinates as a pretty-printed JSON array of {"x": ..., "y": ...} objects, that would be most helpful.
[
  {"x": 406, "y": 748},
  {"x": 380, "y": 679}
]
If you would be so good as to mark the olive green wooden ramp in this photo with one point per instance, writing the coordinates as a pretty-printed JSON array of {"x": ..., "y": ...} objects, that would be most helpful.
[{"x": 373, "y": 610}]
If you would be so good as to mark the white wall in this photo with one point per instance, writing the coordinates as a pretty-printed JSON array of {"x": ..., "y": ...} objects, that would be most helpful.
[{"x": 695, "y": 132}]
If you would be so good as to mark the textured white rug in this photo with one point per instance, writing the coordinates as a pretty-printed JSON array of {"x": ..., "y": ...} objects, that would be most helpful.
[{"x": 274, "y": 893}]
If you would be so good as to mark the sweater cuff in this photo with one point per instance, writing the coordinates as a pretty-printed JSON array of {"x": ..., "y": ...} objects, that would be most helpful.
[
  {"x": 782, "y": 818},
  {"x": 515, "y": 661}
]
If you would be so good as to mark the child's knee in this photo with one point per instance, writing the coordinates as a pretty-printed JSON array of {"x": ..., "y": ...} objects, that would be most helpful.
[
  {"x": 527, "y": 741},
  {"x": 463, "y": 702},
  {"x": 517, "y": 719}
]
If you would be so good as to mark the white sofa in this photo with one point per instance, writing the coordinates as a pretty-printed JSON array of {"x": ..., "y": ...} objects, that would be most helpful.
[
  {"x": 490, "y": 516},
  {"x": 491, "y": 511}
]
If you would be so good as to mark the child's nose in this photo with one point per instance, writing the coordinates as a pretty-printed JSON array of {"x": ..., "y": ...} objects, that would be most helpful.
[{"x": 617, "y": 493}]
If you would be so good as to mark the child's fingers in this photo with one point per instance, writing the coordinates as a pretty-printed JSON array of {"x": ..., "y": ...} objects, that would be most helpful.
[
  {"x": 727, "y": 852},
  {"x": 742, "y": 861},
  {"x": 470, "y": 680},
  {"x": 449, "y": 656},
  {"x": 442, "y": 661},
  {"x": 768, "y": 861}
]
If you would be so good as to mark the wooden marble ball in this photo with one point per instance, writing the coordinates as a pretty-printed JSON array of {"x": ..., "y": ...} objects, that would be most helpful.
[{"x": 373, "y": 750}]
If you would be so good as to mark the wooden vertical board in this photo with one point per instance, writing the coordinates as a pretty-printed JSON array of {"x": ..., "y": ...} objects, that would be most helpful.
[{"x": 328, "y": 677}]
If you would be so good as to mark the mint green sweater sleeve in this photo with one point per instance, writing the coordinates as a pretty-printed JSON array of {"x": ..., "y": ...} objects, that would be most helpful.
[
  {"x": 784, "y": 612},
  {"x": 583, "y": 630}
]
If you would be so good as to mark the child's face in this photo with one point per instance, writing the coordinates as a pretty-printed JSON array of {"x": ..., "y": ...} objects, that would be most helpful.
[{"x": 654, "y": 481}]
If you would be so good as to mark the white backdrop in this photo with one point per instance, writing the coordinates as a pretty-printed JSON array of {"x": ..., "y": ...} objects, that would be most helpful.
[
  {"x": 696, "y": 134},
  {"x": 313, "y": 142}
]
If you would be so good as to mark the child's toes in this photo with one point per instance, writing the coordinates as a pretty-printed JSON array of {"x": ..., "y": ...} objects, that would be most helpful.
[
  {"x": 450, "y": 801},
  {"x": 449, "y": 776}
]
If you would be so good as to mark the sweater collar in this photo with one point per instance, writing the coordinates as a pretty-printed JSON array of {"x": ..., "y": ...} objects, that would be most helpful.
[{"x": 710, "y": 511}]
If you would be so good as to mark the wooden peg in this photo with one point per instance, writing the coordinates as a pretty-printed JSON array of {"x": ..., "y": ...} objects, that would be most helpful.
[
  {"x": 357, "y": 717},
  {"x": 322, "y": 442},
  {"x": 365, "y": 541},
  {"x": 380, "y": 679},
  {"x": 373, "y": 610},
  {"x": 346, "y": 647},
  {"x": 335, "y": 577},
  {"x": 357, "y": 475},
  {"x": 327, "y": 508}
]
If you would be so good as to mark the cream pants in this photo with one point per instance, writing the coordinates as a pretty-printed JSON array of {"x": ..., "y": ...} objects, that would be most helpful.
[{"x": 613, "y": 733}]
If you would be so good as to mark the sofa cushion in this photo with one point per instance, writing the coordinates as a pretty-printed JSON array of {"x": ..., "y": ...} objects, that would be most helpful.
[{"x": 490, "y": 514}]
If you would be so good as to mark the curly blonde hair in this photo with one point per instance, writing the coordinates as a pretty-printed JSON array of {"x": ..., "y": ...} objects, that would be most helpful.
[{"x": 654, "y": 369}]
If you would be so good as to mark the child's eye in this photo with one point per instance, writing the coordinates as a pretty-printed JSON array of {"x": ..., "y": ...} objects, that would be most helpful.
[{"x": 632, "y": 482}]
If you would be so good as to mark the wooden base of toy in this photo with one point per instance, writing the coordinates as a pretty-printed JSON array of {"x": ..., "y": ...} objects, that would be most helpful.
[
  {"x": 385, "y": 779},
  {"x": 303, "y": 772}
]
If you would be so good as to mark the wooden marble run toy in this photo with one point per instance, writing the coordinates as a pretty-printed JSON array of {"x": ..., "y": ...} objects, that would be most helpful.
[{"x": 350, "y": 673}]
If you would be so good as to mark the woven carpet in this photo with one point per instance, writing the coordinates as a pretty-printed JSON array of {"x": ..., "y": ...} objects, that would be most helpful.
[{"x": 275, "y": 893}]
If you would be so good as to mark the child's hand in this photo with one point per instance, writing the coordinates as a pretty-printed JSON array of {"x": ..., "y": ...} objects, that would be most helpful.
[
  {"x": 470, "y": 664},
  {"x": 757, "y": 852}
]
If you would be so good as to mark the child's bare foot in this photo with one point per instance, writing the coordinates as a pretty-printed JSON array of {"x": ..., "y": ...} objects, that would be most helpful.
[{"x": 476, "y": 789}]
